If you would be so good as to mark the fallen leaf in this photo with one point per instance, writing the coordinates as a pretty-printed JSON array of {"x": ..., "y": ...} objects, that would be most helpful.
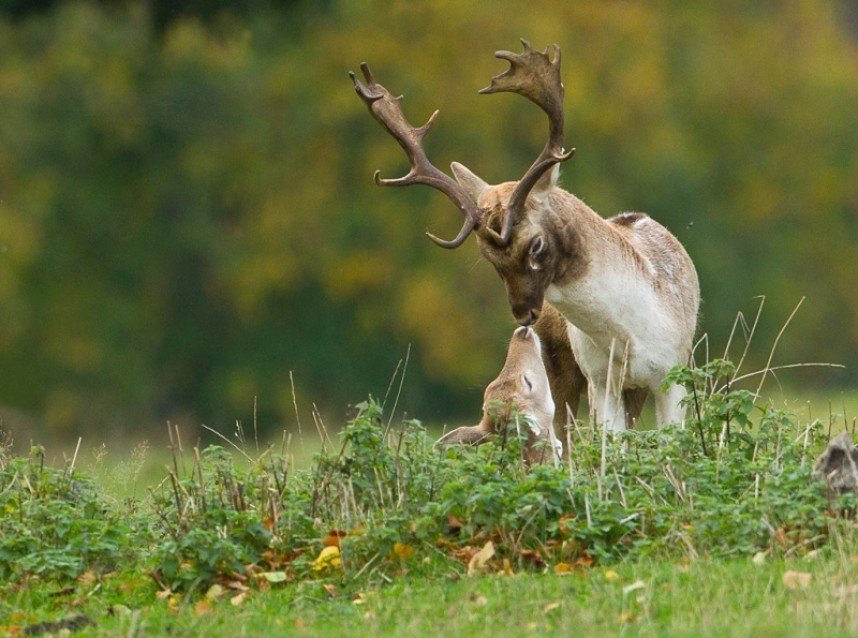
[
  {"x": 402, "y": 551},
  {"x": 330, "y": 590},
  {"x": 215, "y": 591},
  {"x": 796, "y": 580},
  {"x": 479, "y": 560},
  {"x": 563, "y": 524},
  {"x": 273, "y": 577},
  {"x": 202, "y": 607},
  {"x": 562, "y": 568},
  {"x": 532, "y": 556},
  {"x": 238, "y": 599},
  {"x": 759, "y": 558},
  {"x": 550, "y": 607},
  {"x": 328, "y": 558},
  {"x": 638, "y": 584},
  {"x": 611, "y": 576},
  {"x": 453, "y": 524},
  {"x": 333, "y": 537}
]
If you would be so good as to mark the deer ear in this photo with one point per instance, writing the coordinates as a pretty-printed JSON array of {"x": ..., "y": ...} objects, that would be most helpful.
[
  {"x": 472, "y": 184},
  {"x": 467, "y": 435},
  {"x": 546, "y": 183}
]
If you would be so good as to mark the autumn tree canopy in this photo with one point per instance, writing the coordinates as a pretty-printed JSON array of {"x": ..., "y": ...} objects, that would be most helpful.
[{"x": 187, "y": 214}]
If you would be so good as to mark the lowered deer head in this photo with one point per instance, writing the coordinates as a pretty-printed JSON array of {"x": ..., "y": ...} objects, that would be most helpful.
[
  {"x": 625, "y": 285},
  {"x": 521, "y": 394}
]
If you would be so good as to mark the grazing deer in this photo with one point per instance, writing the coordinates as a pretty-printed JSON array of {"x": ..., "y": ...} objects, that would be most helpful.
[
  {"x": 625, "y": 285},
  {"x": 521, "y": 392}
]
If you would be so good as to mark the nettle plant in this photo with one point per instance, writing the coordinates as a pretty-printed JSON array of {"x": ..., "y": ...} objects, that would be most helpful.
[
  {"x": 55, "y": 523},
  {"x": 736, "y": 480}
]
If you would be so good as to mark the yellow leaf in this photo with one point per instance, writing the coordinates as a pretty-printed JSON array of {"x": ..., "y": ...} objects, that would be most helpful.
[
  {"x": 402, "y": 551},
  {"x": 328, "y": 558},
  {"x": 626, "y": 617},
  {"x": 479, "y": 560},
  {"x": 611, "y": 576},
  {"x": 562, "y": 568},
  {"x": 238, "y": 599}
]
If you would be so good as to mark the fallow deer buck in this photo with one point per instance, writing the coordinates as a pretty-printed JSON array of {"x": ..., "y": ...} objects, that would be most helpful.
[
  {"x": 520, "y": 393},
  {"x": 625, "y": 285}
]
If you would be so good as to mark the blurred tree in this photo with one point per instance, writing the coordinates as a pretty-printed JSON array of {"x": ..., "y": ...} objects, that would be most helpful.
[
  {"x": 166, "y": 12},
  {"x": 186, "y": 219}
]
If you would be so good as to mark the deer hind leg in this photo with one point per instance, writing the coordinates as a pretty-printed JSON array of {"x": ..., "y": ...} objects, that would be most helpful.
[{"x": 668, "y": 411}]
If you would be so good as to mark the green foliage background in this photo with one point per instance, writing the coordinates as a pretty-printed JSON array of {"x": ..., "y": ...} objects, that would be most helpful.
[{"x": 187, "y": 212}]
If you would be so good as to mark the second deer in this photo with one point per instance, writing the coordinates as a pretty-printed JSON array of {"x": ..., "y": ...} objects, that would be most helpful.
[{"x": 625, "y": 286}]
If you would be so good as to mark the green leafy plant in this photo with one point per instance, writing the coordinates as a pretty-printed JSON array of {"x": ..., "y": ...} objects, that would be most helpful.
[{"x": 58, "y": 524}]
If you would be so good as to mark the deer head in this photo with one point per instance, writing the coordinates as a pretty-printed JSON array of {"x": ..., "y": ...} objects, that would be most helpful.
[
  {"x": 507, "y": 217},
  {"x": 521, "y": 391}
]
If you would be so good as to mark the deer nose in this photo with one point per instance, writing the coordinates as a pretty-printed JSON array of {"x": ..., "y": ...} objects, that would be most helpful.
[{"x": 528, "y": 317}]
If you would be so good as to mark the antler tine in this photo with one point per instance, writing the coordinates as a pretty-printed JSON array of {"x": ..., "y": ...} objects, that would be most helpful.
[
  {"x": 533, "y": 75},
  {"x": 387, "y": 110}
]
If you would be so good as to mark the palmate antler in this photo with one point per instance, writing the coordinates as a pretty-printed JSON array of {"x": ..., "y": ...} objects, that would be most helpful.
[
  {"x": 537, "y": 78},
  {"x": 531, "y": 74},
  {"x": 388, "y": 111}
]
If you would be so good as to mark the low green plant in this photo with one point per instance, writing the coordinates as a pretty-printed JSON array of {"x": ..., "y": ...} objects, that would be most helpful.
[
  {"x": 735, "y": 481},
  {"x": 57, "y": 524}
]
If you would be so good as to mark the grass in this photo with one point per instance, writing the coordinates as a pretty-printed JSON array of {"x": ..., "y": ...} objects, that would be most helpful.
[
  {"x": 644, "y": 598},
  {"x": 716, "y": 530}
]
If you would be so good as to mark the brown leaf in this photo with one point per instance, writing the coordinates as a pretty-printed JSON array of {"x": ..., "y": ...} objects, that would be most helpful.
[
  {"x": 562, "y": 569},
  {"x": 330, "y": 589},
  {"x": 333, "y": 537},
  {"x": 532, "y": 556},
  {"x": 454, "y": 525}
]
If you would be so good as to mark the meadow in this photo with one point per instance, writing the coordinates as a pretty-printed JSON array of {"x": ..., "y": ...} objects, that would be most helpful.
[{"x": 715, "y": 529}]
